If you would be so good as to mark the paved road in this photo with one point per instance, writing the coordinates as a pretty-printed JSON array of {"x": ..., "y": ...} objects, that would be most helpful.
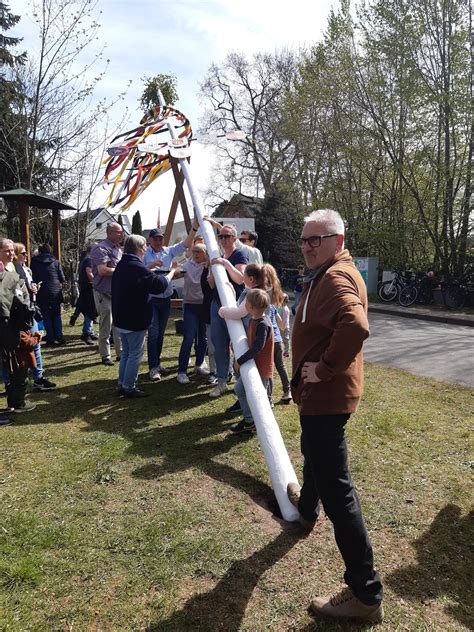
[{"x": 425, "y": 348}]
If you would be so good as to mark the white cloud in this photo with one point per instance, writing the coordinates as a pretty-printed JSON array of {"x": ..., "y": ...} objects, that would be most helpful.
[{"x": 184, "y": 37}]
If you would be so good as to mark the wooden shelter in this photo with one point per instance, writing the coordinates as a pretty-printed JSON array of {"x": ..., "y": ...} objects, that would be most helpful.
[{"x": 23, "y": 199}]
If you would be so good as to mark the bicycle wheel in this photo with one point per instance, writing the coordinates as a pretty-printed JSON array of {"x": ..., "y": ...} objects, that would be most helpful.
[
  {"x": 388, "y": 291},
  {"x": 454, "y": 297},
  {"x": 408, "y": 295}
]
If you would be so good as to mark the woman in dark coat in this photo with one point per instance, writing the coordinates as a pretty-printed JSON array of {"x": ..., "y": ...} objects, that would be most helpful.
[{"x": 47, "y": 270}]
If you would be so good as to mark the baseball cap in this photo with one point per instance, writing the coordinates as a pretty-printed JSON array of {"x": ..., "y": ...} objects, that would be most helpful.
[{"x": 156, "y": 232}]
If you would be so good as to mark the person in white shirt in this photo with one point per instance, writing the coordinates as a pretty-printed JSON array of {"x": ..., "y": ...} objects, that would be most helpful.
[
  {"x": 248, "y": 243},
  {"x": 160, "y": 257}
]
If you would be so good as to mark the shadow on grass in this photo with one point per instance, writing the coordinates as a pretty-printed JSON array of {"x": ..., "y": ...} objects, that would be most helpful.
[
  {"x": 185, "y": 445},
  {"x": 320, "y": 624},
  {"x": 149, "y": 427},
  {"x": 445, "y": 565},
  {"x": 223, "y": 607}
]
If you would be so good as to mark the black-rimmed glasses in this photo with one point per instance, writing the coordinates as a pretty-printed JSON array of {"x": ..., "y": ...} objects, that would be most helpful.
[
  {"x": 314, "y": 241},
  {"x": 224, "y": 236}
]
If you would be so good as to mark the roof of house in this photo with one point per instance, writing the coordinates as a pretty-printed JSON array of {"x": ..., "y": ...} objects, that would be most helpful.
[{"x": 239, "y": 205}]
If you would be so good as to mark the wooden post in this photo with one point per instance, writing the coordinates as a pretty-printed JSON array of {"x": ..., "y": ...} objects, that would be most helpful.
[
  {"x": 24, "y": 214},
  {"x": 171, "y": 216},
  {"x": 179, "y": 179},
  {"x": 56, "y": 234},
  {"x": 178, "y": 197}
]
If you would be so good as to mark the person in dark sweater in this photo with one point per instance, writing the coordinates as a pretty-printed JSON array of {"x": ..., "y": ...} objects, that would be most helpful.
[
  {"x": 85, "y": 303},
  {"x": 132, "y": 283},
  {"x": 47, "y": 270},
  {"x": 260, "y": 340}
]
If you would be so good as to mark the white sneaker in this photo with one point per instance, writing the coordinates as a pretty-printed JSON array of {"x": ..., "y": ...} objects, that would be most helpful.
[
  {"x": 155, "y": 375},
  {"x": 218, "y": 390},
  {"x": 183, "y": 378},
  {"x": 162, "y": 370},
  {"x": 202, "y": 369}
]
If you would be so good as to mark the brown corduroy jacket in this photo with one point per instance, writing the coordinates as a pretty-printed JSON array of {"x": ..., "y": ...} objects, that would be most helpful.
[{"x": 330, "y": 327}]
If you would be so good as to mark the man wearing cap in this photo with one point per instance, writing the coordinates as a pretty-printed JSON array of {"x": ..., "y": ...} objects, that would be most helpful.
[{"x": 161, "y": 303}]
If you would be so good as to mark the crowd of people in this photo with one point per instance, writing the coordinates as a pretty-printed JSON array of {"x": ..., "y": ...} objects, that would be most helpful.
[
  {"x": 28, "y": 297},
  {"x": 128, "y": 288},
  {"x": 140, "y": 304},
  {"x": 132, "y": 288}
]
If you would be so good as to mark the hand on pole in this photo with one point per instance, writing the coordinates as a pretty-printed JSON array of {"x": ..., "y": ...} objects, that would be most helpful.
[
  {"x": 218, "y": 261},
  {"x": 211, "y": 221}
]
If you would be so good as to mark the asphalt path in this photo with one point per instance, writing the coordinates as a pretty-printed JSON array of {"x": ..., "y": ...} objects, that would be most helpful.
[{"x": 426, "y": 348}]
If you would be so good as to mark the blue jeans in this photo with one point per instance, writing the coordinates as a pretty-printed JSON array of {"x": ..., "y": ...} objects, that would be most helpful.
[
  {"x": 221, "y": 341},
  {"x": 38, "y": 371},
  {"x": 130, "y": 358},
  {"x": 239, "y": 390},
  {"x": 193, "y": 327},
  {"x": 87, "y": 329},
  {"x": 156, "y": 331},
  {"x": 52, "y": 322}
]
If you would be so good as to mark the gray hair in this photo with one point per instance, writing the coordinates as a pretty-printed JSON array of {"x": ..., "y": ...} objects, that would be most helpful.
[
  {"x": 331, "y": 219},
  {"x": 232, "y": 230},
  {"x": 133, "y": 244},
  {"x": 4, "y": 241}
]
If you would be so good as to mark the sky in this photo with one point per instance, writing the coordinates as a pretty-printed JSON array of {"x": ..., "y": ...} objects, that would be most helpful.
[{"x": 184, "y": 37}]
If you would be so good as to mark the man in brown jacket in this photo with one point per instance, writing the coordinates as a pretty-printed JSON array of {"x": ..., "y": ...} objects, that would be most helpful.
[{"x": 329, "y": 329}]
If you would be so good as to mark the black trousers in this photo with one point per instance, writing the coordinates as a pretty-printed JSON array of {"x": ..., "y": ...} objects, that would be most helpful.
[
  {"x": 327, "y": 481},
  {"x": 16, "y": 388}
]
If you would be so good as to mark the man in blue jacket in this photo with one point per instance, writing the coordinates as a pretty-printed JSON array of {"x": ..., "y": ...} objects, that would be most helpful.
[{"x": 132, "y": 283}]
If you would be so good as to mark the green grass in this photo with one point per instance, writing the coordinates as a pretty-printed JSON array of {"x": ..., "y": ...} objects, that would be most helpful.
[{"x": 146, "y": 515}]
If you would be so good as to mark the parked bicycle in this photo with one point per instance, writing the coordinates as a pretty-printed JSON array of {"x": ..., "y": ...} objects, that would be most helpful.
[
  {"x": 389, "y": 290},
  {"x": 458, "y": 292},
  {"x": 419, "y": 290}
]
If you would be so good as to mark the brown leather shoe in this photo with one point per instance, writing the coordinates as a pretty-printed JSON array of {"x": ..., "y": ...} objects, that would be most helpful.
[
  {"x": 293, "y": 491},
  {"x": 346, "y": 605}
]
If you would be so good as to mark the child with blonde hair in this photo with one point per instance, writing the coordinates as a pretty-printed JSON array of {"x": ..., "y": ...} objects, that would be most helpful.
[
  {"x": 276, "y": 294},
  {"x": 260, "y": 341},
  {"x": 284, "y": 313},
  {"x": 271, "y": 283}
]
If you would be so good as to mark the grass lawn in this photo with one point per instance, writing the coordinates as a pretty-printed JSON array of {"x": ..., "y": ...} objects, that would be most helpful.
[{"x": 146, "y": 515}]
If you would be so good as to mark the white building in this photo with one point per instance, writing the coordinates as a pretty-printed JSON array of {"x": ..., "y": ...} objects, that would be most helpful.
[{"x": 97, "y": 226}]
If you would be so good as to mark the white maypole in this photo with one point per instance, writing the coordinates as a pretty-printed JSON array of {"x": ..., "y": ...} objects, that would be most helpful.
[{"x": 276, "y": 456}]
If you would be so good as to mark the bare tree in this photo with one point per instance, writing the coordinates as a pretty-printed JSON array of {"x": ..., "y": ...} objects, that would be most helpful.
[
  {"x": 58, "y": 107},
  {"x": 246, "y": 94}
]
